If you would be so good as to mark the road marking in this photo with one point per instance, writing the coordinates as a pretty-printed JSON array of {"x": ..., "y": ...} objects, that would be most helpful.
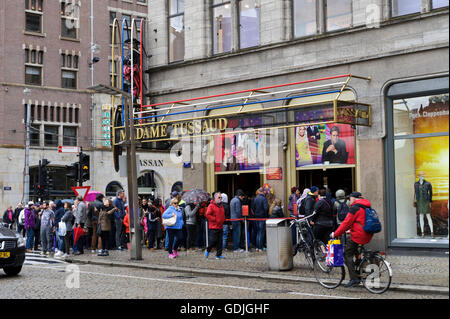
[
  {"x": 38, "y": 259},
  {"x": 193, "y": 283}
]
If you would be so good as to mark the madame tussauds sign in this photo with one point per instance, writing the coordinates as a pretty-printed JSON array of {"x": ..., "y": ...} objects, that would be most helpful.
[{"x": 182, "y": 128}]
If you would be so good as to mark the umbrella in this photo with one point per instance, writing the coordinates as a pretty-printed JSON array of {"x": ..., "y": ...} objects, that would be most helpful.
[
  {"x": 77, "y": 233},
  {"x": 195, "y": 196},
  {"x": 91, "y": 196}
]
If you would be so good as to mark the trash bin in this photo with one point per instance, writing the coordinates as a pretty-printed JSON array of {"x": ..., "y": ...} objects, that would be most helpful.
[{"x": 279, "y": 244}]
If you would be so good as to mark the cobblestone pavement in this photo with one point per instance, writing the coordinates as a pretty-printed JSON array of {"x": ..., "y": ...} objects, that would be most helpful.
[{"x": 407, "y": 270}]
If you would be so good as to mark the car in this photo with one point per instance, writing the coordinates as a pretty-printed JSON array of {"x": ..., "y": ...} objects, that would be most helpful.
[{"x": 12, "y": 250}]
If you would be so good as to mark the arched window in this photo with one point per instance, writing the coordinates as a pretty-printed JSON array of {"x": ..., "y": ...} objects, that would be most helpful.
[{"x": 112, "y": 188}]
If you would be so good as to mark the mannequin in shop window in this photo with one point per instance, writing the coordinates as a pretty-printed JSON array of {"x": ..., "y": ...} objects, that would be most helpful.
[{"x": 424, "y": 195}]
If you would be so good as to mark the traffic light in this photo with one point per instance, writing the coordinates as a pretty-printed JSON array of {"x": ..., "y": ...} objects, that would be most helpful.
[
  {"x": 74, "y": 171},
  {"x": 45, "y": 182},
  {"x": 84, "y": 167}
]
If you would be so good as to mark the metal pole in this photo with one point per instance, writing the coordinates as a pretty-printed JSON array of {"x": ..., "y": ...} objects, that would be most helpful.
[
  {"x": 135, "y": 235},
  {"x": 26, "y": 186},
  {"x": 206, "y": 230},
  {"x": 246, "y": 236}
]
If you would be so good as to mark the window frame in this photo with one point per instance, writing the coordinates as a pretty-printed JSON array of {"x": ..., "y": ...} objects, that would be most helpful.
[
  {"x": 169, "y": 19},
  {"x": 63, "y": 19},
  {"x": 212, "y": 7},
  {"x": 317, "y": 17},
  {"x": 325, "y": 18},
  {"x": 239, "y": 11}
]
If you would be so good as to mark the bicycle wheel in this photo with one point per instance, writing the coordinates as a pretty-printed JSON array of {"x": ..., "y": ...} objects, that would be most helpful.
[
  {"x": 320, "y": 254},
  {"x": 330, "y": 277},
  {"x": 309, "y": 256},
  {"x": 376, "y": 274}
]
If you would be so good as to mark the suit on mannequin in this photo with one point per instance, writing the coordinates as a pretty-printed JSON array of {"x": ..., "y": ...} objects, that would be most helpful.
[{"x": 424, "y": 195}]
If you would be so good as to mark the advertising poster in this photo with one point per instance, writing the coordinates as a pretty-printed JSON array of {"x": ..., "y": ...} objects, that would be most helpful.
[
  {"x": 324, "y": 144},
  {"x": 431, "y": 157},
  {"x": 239, "y": 151}
]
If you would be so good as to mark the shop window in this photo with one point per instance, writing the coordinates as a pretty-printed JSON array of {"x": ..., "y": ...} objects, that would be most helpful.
[
  {"x": 222, "y": 26},
  {"x": 338, "y": 14},
  {"x": 304, "y": 17},
  {"x": 176, "y": 30},
  {"x": 439, "y": 4},
  {"x": 421, "y": 146},
  {"x": 403, "y": 7},
  {"x": 249, "y": 23}
]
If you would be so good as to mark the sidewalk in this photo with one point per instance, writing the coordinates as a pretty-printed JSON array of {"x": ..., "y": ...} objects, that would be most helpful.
[{"x": 412, "y": 273}]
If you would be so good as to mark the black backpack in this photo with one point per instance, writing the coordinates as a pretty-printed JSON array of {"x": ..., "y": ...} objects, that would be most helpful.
[{"x": 342, "y": 210}]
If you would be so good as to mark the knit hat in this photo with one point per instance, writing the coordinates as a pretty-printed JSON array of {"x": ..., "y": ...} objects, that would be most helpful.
[
  {"x": 340, "y": 194},
  {"x": 314, "y": 189}
]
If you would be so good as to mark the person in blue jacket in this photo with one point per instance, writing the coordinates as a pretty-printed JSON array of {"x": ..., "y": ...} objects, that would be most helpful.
[
  {"x": 176, "y": 231},
  {"x": 260, "y": 210}
]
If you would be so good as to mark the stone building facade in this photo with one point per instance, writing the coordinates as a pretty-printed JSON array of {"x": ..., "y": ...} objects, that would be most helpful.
[{"x": 400, "y": 45}]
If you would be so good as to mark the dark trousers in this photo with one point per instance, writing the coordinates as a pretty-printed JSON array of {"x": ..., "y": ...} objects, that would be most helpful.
[
  {"x": 151, "y": 234},
  {"x": 67, "y": 240},
  {"x": 37, "y": 238},
  {"x": 200, "y": 240},
  {"x": 105, "y": 239},
  {"x": 322, "y": 233},
  {"x": 351, "y": 249},
  {"x": 191, "y": 234},
  {"x": 215, "y": 238},
  {"x": 175, "y": 237}
]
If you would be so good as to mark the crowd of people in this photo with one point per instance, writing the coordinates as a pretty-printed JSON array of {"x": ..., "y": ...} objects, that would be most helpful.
[{"x": 105, "y": 221}]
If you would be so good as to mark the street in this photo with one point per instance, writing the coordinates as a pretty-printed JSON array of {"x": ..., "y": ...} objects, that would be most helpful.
[{"x": 48, "y": 278}]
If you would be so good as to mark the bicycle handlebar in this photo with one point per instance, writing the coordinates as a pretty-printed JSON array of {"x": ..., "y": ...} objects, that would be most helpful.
[{"x": 299, "y": 220}]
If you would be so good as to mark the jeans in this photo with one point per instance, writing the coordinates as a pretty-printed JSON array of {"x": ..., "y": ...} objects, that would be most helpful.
[
  {"x": 260, "y": 230},
  {"x": 200, "y": 240},
  {"x": 119, "y": 229},
  {"x": 30, "y": 238},
  {"x": 46, "y": 239},
  {"x": 174, "y": 239},
  {"x": 226, "y": 230},
  {"x": 236, "y": 235}
]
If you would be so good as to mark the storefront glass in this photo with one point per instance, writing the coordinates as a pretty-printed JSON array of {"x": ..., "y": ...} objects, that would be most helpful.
[{"x": 421, "y": 146}]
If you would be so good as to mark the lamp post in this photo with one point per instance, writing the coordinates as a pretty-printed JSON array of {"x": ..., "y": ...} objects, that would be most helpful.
[{"x": 26, "y": 185}]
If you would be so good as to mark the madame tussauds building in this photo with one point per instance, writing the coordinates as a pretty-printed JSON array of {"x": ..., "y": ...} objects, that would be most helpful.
[{"x": 314, "y": 133}]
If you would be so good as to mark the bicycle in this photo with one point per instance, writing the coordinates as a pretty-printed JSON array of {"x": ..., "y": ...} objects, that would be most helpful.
[
  {"x": 372, "y": 269},
  {"x": 312, "y": 248}
]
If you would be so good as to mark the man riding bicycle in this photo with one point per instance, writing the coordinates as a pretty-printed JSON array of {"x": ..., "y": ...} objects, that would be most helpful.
[{"x": 354, "y": 221}]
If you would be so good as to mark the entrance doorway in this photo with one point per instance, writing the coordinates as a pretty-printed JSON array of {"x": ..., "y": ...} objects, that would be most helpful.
[
  {"x": 230, "y": 183},
  {"x": 334, "y": 179}
]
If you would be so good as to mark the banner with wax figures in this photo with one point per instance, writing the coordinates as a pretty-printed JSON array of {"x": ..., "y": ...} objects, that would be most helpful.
[{"x": 324, "y": 144}]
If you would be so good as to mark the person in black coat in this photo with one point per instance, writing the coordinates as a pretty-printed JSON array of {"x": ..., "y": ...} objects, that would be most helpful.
[
  {"x": 277, "y": 210},
  {"x": 323, "y": 221}
]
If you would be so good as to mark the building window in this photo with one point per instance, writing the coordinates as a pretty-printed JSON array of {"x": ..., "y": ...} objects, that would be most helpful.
[
  {"x": 39, "y": 113},
  {"x": 33, "y": 66},
  {"x": 50, "y": 135},
  {"x": 418, "y": 161},
  {"x": 52, "y": 113},
  {"x": 439, "y": 4},
  {"x": 305, "y": 22},
  {"x": 142, "y": 1},
  {"x": 176, "y": 30},
  {"x": 33, "y": 75},
  {"x": 33, "y": 15},
  {"x": 64, "y": 114},
  {"x": 45, "y": 113},
  {"x": 69, "y": 71},
  {"x": 126, "y": 27},
  {"x": 112, "y": 16},
  {"x": 403, "y": 7},
  {"x": 34, "y": 135},
  {"x": 69, "y": 136},
  {"x": 58, "y": 114},
  {"x": 249, "y": 23},
  {"x": 113, "y": 72},
  {"x": 69, "y": 20},
  {"x": 338, "y": 14},
  {"x": 222, "y": 27},
  {"x": 77, "y": 115}
]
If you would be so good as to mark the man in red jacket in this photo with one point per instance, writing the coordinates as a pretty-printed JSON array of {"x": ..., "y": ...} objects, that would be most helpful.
[
  {"x": 354, "y": 221},
  {"x": 216, "y": 217}
]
